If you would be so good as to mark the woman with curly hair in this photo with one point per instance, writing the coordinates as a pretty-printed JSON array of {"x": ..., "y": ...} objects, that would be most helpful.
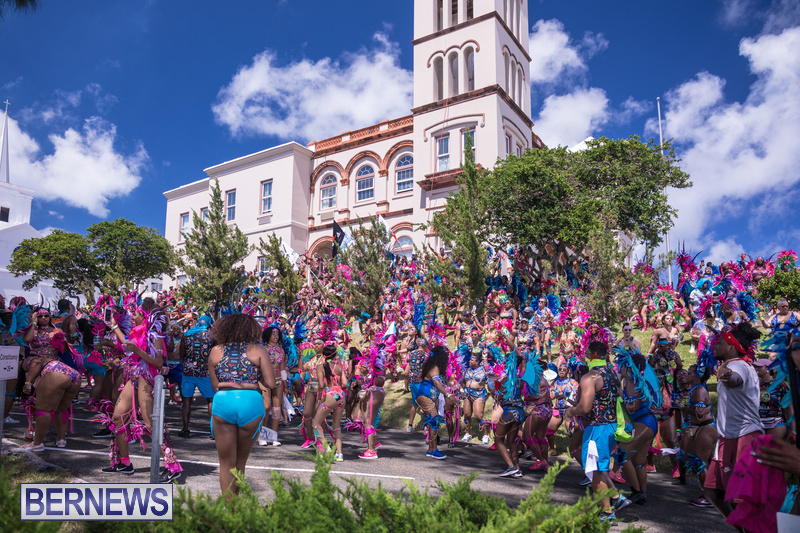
[
  {"x": 236, "y": 366},
  {"x": 434, "y": 375}
]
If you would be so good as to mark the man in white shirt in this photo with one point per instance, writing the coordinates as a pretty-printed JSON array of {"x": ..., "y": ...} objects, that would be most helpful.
[{"x": 738, "y": 421}]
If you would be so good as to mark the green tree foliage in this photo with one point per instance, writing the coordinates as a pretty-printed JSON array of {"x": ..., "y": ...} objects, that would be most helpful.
[
  {"x": 17, "y": 6},
  {"x": 463, "y": 227},
  {"x": 211, "y": 252},
  {"x": 781, "y": 285},
  {"x": 128, "y": 254},
  {"x": 288, "y": 281},
  {"x": 112, "y": 254},
  {"x": 557, "y": 197},
  {"x": 65, "y": 258},
  {"x": 366, "y": 262},
  {"x": 321, "y": 506}
]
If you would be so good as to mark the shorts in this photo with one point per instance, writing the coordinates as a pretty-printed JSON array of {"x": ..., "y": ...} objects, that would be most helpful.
[
  {"x": 94, "y": 369},
  {"x": 190, "y": 383},
  {"x": 238, "y": 407},
  {"x": 175, "y": 373},
  {"x": 603, "y": 437},
  {"x": 513, "y": 414},
  {"x": 725, "y": 456},
  {"x": 650, "y": 421},
  {"x": 414, "y": 388}
]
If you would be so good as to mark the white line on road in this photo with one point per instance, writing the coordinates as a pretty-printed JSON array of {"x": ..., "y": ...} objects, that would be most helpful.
[
  {"x": 205, "y": 463},
  {"x": 91, "y": 420}
]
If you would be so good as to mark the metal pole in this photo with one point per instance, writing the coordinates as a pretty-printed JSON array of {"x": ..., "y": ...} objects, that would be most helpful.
[
  {"x": 157, "y": 433},
  {"x": 3, "y": 414},
  {"x": 661, "y": 142}
]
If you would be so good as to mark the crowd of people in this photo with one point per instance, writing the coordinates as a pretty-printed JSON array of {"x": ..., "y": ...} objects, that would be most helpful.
[{"x": 508, "y": 372}]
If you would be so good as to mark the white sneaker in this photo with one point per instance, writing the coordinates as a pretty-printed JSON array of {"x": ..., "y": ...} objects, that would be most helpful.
[
  {"x": 276, "y": 443},
  {"x": 485, "y": 439},
  {"x": 10, "y": 420},
  {"x": 409, "y": 429},
  {"x": 691, "y": 348},
  {"x": 466, "y": 438},
  {"x": 262, "y": 437}
]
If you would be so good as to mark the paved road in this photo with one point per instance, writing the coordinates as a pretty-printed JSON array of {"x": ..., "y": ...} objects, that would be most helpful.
[{"x": 402, "y": 457}]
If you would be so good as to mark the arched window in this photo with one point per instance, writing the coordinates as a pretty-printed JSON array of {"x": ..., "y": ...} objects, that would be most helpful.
[
  {"x": 452, "y": 62},
  {"x": 513, "y": 81},
  {"x": 404, "y": 246},
  {"x": 404, "y": 174},
  {"x": 507, "y": 85},
  {"x": 438, "y": 78},
  {"x": 327, "y": 192},
  {"x": 365, "y": 183},
  {"x": 469, "y": 65},
  {"x": 520, "y": 94}
]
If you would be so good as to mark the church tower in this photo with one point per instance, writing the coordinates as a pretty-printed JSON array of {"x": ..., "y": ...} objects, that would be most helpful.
[{"x": 471, "y": 77}]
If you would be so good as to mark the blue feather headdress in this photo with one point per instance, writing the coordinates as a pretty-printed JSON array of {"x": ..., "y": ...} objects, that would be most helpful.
[
  {"x": 778, "y": 343},
  {"x": 646, "y": 382}
]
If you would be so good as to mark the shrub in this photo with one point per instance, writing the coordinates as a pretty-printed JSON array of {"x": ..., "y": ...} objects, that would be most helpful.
[{"x": 322, "y": 506}]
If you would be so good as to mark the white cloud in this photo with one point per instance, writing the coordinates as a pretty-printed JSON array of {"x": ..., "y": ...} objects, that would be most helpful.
[
  {"x": 777, "y": 16},
  {"x": 315, "y": 99},
  {"x": 566, "y": 120},
  {"x": 56, "y": 214},
  {"x": 555, "y": 56},
  {"x": 737, "y": 151},
  {"x": 84, "y": 170}
]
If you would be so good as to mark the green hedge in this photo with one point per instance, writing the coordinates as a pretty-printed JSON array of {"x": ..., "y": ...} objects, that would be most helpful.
[{"x": 323, "y": 507}]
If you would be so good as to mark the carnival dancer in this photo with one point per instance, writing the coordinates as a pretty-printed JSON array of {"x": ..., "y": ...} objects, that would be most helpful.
[
  {"x": 331, "y": 375},
  {"x": 194, "y": 351},
  {"x": 640, "y": 393},
  {"x": 628, "y": 341},
  {"x": 509, "y": 390},
  {"x": 236, "y": 366},
  {"x": 534, "y": 430},
  {"x": 311, "y": 358},
  {"x": 272, "y": 339},
  {"x": 55, "y": 390},
  {"x": 416, "y": 348},
  {"x": 699, "y": 434},
  {"x": 38, "y": 337},
  {"x": 475, "y": 389},
  {"x": 562, "y": 390},
  {"x": 597, "y": 404},
  {"x": 144, "y": 349},
  {"x": 776, "y": 419},
  {"x": 371, "y": 396},
  {"x": 434, "y": 374}
]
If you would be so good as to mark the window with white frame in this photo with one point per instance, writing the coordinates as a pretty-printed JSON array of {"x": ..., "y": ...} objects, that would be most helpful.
[
  {"x": 404, "y": 246},
  {"x": 404, "y": 174},
  {"x": 204, "y": 214},
  {"x": 365, "y": 183},
  {"x": 230, "y": 205},
  {"x": 266, "y": 196},
  {"x": 509, "y": 144},
  {"x": 327, "y": 192},
  {"x": 470, "y": 132},
  {"x": 519, "y": 150},
  {"x": 184, "y": 226},
  {"x": 181, "y": 281},
  {"x": 442, "y": 153},
  {"x": 262, "y": 264}
]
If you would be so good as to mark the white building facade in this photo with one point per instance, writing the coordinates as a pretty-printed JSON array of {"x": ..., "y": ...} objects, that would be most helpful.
[{"x": 471, "y": 78}]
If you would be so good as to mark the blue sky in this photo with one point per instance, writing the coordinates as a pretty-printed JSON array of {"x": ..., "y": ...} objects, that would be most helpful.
[{"x": 115, "y": 102}]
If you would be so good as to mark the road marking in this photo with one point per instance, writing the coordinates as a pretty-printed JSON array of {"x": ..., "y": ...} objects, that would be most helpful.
[
  {"x": 206, "y": 463},
  {"x": 92, "y": 420}
]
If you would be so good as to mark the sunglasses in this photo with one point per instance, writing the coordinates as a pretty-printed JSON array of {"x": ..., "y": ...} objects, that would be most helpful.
[
  {"x": 626, "y": 329},
  {"x": 44, "y": 316}
]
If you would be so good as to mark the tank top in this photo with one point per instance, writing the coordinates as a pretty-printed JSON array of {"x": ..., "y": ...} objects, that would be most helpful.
[
  {"x": 235, "y": 367},
  {"x": 604, "y": 406},
  {"x": 40, "y": 345}
]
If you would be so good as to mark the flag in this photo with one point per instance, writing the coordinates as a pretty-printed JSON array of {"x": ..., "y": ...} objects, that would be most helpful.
[
  {"x": 382, "y": 222},
  {"x": 391, "y": 330},
  {"x": 291, "y": 254},
  {"x": 341, "y": 238}
]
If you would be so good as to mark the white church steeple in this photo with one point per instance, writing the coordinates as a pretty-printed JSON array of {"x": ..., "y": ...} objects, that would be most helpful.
[{"x": 15, "y": 201}]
